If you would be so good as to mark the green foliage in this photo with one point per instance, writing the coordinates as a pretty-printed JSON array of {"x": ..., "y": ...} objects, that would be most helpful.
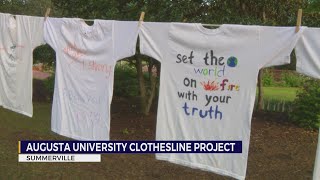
[
  {"x": 314, "y": 6},
  {"x": 306, "y": 107},
  {"x": 25, "y": 7},
  {"x": 279, "y": 93},
  {"x": 49, "y": 85},
  {"x": 44, "y": 54},
  {"x": 125, "y": 81},
  {"x": 276, "y": 105},
  {"x": 272, "y": 12},
  {"x": 285, "y": 79},
  {"x": 268, "y": 79},
  {"x": 289, "y": 79}
]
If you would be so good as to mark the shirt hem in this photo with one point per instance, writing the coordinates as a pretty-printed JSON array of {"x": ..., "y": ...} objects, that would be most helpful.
[
  {"x": 298, "y": 63},
  {"x": 68, "y": 135},
  {"x": 17, "y": 111},
  {"x": 200, "y": 166}
]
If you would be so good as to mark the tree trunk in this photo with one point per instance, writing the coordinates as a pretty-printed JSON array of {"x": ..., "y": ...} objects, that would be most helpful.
[
  {"x": 264, "y": 16},
  {"x": 142, "y": 87},
  {"x": 150, "y": 97},
  {"x": 260, "y": 90},
  {"x": 260, "y": 75},
  {"x": 147, "y": 94}
]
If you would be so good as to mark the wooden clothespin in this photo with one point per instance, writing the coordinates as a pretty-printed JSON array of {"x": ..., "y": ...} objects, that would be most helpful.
[
  {"x": 299, "y": 20},
  {"x": 47, "y": 13},
  {"x": 141, "y": 18}
]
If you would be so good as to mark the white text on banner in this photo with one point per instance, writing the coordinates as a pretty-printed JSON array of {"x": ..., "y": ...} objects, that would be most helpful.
[{"x": 59, "y": 158}]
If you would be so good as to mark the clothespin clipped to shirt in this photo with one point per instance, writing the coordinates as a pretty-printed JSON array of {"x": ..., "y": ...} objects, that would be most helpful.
[
  {"x": 47, "y": 13},
  {"x": 299, "y": 20},
  {"x": 141, "y": 18}
]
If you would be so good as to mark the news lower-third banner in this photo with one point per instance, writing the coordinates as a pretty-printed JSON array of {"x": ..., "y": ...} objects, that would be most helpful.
[{"x": 105, "y": 147}]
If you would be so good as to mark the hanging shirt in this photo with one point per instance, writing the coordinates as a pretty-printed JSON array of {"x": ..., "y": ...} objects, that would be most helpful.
[
  {"x": 208, "y": 84},
  {"x": 308, "y": 63},
  {"x": 308, "y": 53},
  {"x": 85, "y": 62},
  {"x": 19, "y": 36}
]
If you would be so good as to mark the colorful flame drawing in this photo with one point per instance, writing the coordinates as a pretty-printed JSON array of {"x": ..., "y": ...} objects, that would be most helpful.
[{"x": 213, "y": 86}]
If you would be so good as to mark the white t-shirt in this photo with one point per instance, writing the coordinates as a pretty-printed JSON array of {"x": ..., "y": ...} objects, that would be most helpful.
[
  {"x": 308, "y": 53},
  {"x": 308, "y": 63},
  {"x": 18, "y": 38},
  {"x": 208, "y": 84},
  {"x": 85, "y": 62}
]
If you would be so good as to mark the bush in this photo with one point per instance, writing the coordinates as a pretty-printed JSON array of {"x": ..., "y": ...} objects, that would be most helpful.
[
  {"x": 44, "y": 54},
  {"x": 49, "y": 85},
  {"x": 290, "y": 79},
  {"x": 125, "y": 81},
  {"x": 268, "y": 79},
  {"x": 282, "y": 79},
  {"x": 306, "y": 107}
]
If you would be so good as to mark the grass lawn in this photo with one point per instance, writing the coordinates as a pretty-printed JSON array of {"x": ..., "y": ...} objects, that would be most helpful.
[
  {"x": 280, "y": 93},
  {"x": 15, "y": 127},
  {"x": 40, "y": 123},
  {"x": 264, "y": 150}
]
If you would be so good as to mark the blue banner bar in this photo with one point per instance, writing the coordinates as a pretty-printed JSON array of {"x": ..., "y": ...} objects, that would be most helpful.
[{"x": 105, "y": 147}]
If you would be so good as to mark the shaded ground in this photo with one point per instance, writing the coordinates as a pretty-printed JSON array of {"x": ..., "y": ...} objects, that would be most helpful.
[{"x": 278, "y": 150}]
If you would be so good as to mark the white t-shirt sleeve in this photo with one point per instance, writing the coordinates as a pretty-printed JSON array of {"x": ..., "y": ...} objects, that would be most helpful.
[
  {"x": 33, "y": 26},
  {"x": 52, "y": 28},
  {"x": 308, "y": 53},
  {"x": 154, "y": 39},
  {"x": 125, "y": 34},
  {"x": 276, "y": 44}
]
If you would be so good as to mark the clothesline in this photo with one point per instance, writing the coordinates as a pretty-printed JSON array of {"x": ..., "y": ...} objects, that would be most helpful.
[
  {"x": 299, "y": 18},
  {"x": 213, "y": 25}
]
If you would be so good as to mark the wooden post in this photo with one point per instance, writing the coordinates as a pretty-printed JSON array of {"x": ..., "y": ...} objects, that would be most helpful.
[
  {"x": 141, "y": 18},
  {"x": 47, "y": 13},
  {"x": 299, "y": 17}
]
